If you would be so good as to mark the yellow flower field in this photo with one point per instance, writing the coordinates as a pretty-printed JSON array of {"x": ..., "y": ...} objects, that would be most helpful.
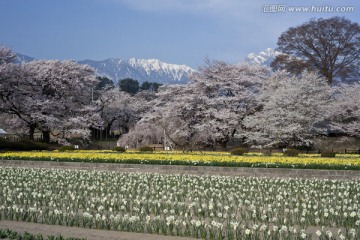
[{"x": 195, "y": 158}]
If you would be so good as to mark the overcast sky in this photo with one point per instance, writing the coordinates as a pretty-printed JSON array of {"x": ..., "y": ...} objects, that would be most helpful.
[{"x": 174, "y": 31}]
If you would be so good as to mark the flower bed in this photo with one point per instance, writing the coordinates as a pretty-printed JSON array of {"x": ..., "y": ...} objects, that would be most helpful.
[
  {"x": 207, "y": 207},
  {"x": 313, "y": 161}
]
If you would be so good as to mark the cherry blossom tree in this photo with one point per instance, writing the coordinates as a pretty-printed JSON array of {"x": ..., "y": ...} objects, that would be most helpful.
[
  {"x": 116, "y": 109},
  {"x": 345, "y": 113},
  {"x": 7, "y": 71},
  {"x": 121, "y": 111},
  {"x": 230, "y": 92},
  {"x": 6, "y": 55},
  {"x": 140, "y": 135},
  {"x": 64, "y": 88},
  {"x": 293, "y": 113},
  {"x": 13, "y": 125},
  {"x": 51, "y": 96},
  {"x": 176, "y": 110},
  {"x": 15, "y": 96},
  {"x": 210, "y": 109}
]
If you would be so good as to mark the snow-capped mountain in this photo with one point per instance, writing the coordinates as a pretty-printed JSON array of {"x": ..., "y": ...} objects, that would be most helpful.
[
  {"x": 151, "y": 70},
  {"x": 264, "y": 58},
  {"x": 21, "y": 58}
]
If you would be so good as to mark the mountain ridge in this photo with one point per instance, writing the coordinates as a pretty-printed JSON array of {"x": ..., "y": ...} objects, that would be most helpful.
[
  {"x": 21, "y": 58},
  {"x": 264, "y": 58},
  {"x": 153, "y": 70}
]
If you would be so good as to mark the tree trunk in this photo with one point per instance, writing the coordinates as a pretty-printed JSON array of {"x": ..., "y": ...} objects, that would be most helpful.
[
  {"x": 106, "y": 131},
  {"x": 95, "y": 133},
  {"x": 32, "y": 132},
  {"x": 223, "y": 144},
  {"x": 46, "y": 136}
]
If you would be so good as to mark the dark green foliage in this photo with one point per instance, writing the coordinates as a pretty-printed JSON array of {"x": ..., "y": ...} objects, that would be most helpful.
[
  {"x": 5, "y": 144},
  {"x": 31, "y": 145},
  {"x": 152, "y": 86},
  {"x": 119, "y": 149},
  {"x": 22, "y": 145},
  {"x": 328, "y": 154},
  {"x": 10, "y": 234},
  {"x": 238, "y": 151},
  {"x": 291, "y": 152},
  {"x": 129, "y": 85},
  {"x": 66, "y": 148},
  {"x": 104, "y": 83},
  {"x": 146, "y": 149}
]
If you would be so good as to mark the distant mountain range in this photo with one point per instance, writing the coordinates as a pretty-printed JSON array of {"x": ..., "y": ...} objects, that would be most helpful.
[
  {"x": 153, "y": 70},
  {"x": 20, "y": 58},
  {"x": 264, "y": 58}
]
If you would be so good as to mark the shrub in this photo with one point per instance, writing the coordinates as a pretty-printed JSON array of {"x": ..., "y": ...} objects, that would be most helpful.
[
  {"x": 66, "y": 148},
  {"x": 291, "y": 152},
  {"x": 5, "y": 144},
  {"x": 238, "y": 151},
  {"x": 267, "y": 152},
  {"x": 119, "y": 149},
  {"x": 27, "y": 145},
  {"x": 22, "y": 145},
  {"x": 146, "y": 149},
  {"x": 328, "y": 154}
]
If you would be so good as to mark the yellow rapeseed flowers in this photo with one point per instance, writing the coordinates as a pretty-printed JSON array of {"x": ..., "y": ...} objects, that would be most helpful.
[{"x": 195, "y": 157}]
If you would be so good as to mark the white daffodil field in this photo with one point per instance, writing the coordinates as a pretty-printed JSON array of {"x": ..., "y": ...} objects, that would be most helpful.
[{"x": 207, "y": 207}]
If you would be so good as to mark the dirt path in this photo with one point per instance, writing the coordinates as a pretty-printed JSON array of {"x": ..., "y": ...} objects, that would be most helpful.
[{"x": 89, "y": 234}]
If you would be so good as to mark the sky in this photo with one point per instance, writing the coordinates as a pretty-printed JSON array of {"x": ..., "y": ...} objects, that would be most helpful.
[{"x": 173, "y": 31}]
